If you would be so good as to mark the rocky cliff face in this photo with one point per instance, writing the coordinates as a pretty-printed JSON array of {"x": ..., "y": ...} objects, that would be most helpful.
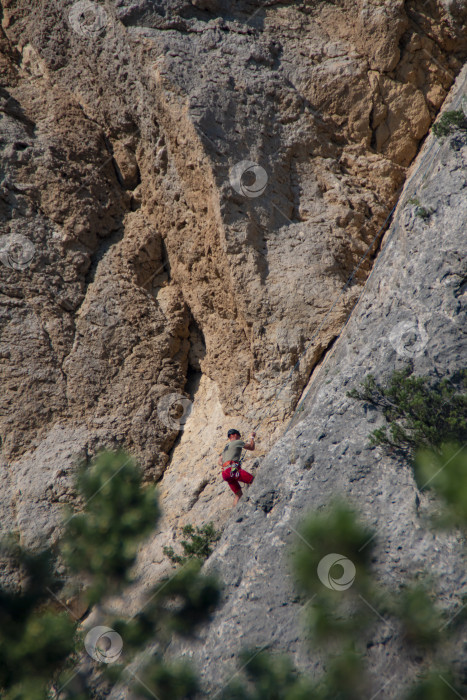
[
  {"x": 186, "y": 187},
  {"x": 412, "y": 309}
]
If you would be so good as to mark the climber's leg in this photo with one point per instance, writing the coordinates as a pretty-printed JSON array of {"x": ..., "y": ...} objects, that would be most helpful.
[{"x": 245, "y": 476}]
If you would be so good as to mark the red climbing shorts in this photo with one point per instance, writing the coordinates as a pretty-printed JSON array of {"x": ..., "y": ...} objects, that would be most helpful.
[{"x": 244, "y": 476}]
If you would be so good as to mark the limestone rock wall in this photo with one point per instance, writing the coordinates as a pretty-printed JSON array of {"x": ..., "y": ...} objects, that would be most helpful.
[
  {"x": 185, "y": 188},
  {"x": 412, "y": 310}
]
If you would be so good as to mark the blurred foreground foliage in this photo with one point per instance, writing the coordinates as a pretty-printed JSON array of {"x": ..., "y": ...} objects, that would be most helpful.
[
  {"x": 445, "y": 471},
  {"x": 42, "y": 654},
  {"x": 34, "y": 642},
  {"x": 102, "y": 541}
]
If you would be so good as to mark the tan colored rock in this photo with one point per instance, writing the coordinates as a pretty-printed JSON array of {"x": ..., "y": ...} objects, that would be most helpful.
[
  {"x": 131, "y": 149},
  {"x": 379, "y": 30},
  {"x": 127, "y": 165}
]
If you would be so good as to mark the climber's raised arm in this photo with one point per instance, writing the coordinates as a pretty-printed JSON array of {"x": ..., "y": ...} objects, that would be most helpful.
[{"x": 250, "y": 445}]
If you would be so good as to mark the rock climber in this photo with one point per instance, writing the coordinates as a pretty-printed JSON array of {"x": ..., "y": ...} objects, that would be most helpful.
[{"x": 229, "y": 460}]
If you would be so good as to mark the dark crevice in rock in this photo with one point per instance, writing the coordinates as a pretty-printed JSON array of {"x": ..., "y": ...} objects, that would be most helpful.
[
  {"x": 267, "y": 501},
  {"x": 197, "y": 351},
  {"x": 102, "y": 249},
  {"x": 193, "y": 379},
  {"x": 316, "y": 366},
  {"x": 461, "y": 288},
  {"x": 197, "y": 493},
  {"x": 12, "y": 108}
]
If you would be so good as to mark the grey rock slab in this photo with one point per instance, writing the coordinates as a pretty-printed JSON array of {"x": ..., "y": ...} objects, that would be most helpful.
[{"x": 42, "y": 481}]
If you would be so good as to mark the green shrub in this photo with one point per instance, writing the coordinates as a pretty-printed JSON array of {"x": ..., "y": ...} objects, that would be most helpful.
[
  {"x": 449, "y": 122},
  {"x": 423, "y": 213},
  {"x": 420, "y": 211},
  {"x": 198, "y": 546},
  {"x": 421, "y": 411}
]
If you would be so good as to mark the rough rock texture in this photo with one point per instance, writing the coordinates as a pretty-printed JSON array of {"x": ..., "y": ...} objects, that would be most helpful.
[
  {"x": 185, "y": 189},
  {"x": 412, "y": 308},
  {"x": 135, "y": 256}
]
